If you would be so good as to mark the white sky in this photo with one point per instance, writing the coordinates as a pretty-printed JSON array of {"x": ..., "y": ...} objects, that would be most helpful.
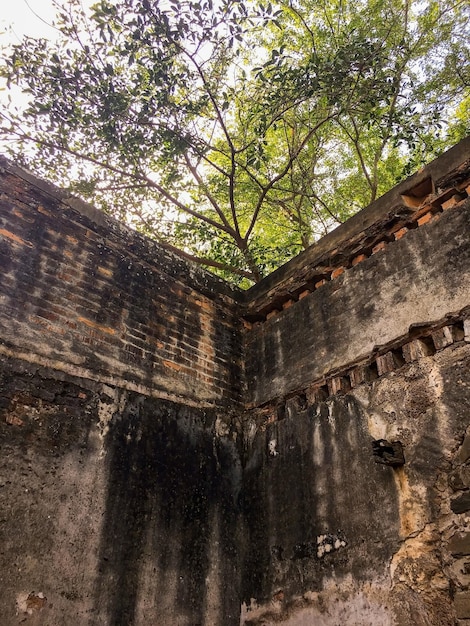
[
  {"x": 19, "y": 15},
  {"x": 17, "y": 19}
]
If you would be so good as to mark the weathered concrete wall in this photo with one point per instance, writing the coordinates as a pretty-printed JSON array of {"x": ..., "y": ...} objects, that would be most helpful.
[
  {"x": 365, "y": 337},
  {"x": 414, "y": 282},
  {"x": 337, "y": 538},
  {"x": 370, "y": 291},
  {"x": 160, "y": 465},
  {"x": 115, "y": 508}
]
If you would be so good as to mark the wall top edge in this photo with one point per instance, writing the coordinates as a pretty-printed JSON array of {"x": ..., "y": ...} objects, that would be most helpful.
[
  {"x": 438, "y": 172},
  {"x": 166, "y": 257}
]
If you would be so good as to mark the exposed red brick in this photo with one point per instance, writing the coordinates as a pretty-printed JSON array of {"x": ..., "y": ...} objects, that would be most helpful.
[
  {"x": 337, "y": 272},
  {"x": 318, "y": 392},
  {"x": 416, "y": 349},
  {"x": 388, "y": 362},
  {"x": 358, "y": 259},
  {"x": 287, "y": 303},
  {"x": 379, "y": 246},
  {"x": 362, "y": 374},
  {"x": 320, "y": 283},
  {"x": 451, "y": 202},
  {"x": 271, "y": 314},
  {"x": 400, "y": 232},
  {"x": 15, "y": 238},
  {"x": 443, "y": 337},
  {"x": 356, "y": 376},
  {"x": 424, "y": 219},
  {"x": 339, "y": 384},
  {"x": 443, "y": 197},
  {"x": 42, "y": 210},
  {"x": 304, "y": 294},
  {"x": 100, "y": 327},
  {"x": 422, "y": 211}
]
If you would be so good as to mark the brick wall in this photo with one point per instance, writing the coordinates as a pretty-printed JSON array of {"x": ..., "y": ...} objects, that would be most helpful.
[
  {"x": 120, "y": 371},
  {"x": 86, "y": 296}
]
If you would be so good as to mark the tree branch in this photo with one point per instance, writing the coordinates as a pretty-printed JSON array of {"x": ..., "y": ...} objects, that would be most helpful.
[
  {"x": 283, "y": 172},
  {"x": 111, "y": 168},
  {"x": 206, "y": 192}
]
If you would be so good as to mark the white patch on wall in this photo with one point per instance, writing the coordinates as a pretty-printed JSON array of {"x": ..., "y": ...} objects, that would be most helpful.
[
  {"x": 272, "y": 447},
  {"x": 222, "y": 429},
  {"x": 106, "y": 411},
  {"x": 29, "y": 603},
  {"x": 329, "y": 543},
  {"x": 331, "y": 415}
]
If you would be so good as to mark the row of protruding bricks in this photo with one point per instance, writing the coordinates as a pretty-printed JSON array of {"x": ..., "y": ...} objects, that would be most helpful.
[
  {"x": 430, "y": 210},
  {"x": 394, "y": 358}
]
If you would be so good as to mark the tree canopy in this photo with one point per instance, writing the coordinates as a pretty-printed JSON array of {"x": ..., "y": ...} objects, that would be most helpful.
[{"x": 238, "y": 131}]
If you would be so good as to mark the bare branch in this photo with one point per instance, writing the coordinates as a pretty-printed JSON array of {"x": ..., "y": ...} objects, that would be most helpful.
[
  {"x": 112, "y": 168},
  {"x": 206, "y": 191},
  {"x": 284, "y": 171}
]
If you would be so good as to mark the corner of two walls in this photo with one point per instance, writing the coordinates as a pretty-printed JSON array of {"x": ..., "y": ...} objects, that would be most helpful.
[{"x": 173, "y": 449}]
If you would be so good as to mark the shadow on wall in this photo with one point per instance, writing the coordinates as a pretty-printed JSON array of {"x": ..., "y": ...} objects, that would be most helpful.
[
  {"x": 168, "y": 545},
  {"x": 315, "y": 503}
]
